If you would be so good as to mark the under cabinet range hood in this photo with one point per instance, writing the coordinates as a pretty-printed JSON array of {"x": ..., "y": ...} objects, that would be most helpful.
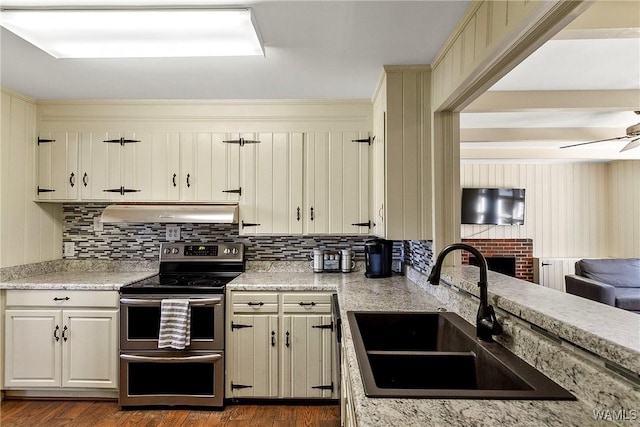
[{"x": 218, "y": 213}]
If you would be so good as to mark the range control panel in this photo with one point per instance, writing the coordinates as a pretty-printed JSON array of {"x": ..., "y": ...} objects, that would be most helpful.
[{"x": 204, "y": 252}]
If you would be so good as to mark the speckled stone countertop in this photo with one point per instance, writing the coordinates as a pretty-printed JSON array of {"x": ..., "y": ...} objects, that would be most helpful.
[
  {"x": 609, "y": 332},
  {"x": 77, "y": 280}
]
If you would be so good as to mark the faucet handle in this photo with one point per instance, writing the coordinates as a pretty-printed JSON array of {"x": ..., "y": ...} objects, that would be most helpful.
[{"x": 488, "y": 324}]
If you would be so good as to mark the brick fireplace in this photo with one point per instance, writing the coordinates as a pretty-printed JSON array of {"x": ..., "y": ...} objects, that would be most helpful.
[{"x": 520, "y": 249}]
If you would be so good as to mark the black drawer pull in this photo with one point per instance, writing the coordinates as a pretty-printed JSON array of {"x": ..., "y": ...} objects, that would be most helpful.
[
  {"x": 252, "y": 304},
  {"x": 362, "y": 224},
  {"x": 303, "y": 304},
  {"x": 61, "y": 299}
]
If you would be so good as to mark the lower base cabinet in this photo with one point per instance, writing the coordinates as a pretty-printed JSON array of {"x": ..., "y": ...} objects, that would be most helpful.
[
  {"x": 280, "y": 345},
  {"x": 61, "y": 339}
]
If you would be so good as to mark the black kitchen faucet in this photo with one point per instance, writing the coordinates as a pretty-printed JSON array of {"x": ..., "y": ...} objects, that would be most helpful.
[{"x": 486, "y": 322}]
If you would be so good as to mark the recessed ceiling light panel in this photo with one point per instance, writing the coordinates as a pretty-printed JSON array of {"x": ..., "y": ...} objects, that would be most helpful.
[{"x": 137, "y": 33}]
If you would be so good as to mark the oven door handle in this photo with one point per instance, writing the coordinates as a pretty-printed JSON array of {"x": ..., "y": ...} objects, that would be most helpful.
[
  {"x": 188, "y": 359},
  {"x": 193, "y": 302}
]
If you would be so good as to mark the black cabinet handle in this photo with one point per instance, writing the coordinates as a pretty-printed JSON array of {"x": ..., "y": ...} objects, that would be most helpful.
[
  {"x": 64, "y": 333},
  {"x": 307, "y": 304},
  {"x": 287, "y": 340},
  {"x": 544, "y": 264},
  {"x": 298, "y": 213},
  {"x": 253, "y": 304},
  {"x": 312, "y": 214},
  {"x": 45, "y": 190},
  {"x": 61, "y": 299},
  {"x": 55, "y": 333},
  {"x": 72, "y": 179},
  {"x": 42, "y": 140},
  {"x": 174, "y": 179},
  {"x": 239, "y": 386},
  {"x": 273, "y": 338},
  {"x": 188, "y": 183},
  {"x": 85, "y": 181}
]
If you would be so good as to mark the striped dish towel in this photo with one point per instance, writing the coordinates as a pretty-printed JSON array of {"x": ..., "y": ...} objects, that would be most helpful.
[{"x": 175, "y": 324}]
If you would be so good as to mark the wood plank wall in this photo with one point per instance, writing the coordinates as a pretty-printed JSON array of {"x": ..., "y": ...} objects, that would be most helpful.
[
  {"x": 30, "y": 232},
  {"x": 566, "y": 206},
  {"x": 624, "y": 200}
]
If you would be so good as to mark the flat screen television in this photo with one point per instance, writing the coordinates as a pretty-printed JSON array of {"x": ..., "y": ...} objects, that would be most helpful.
[{"x": 497, "y": 206}]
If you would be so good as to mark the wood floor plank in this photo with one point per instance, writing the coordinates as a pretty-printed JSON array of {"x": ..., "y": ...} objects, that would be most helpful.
[{"x": 26, "y": 413}]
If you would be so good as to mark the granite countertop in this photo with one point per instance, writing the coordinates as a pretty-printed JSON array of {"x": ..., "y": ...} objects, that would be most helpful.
[
  {"x": 357, "y": 293},
  {"x": 77, "y": 280},
  {"x": 609, "y": 332}
]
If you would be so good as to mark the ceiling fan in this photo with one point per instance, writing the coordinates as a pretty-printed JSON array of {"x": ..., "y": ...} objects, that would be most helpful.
[{"x": 633, "y": 133}]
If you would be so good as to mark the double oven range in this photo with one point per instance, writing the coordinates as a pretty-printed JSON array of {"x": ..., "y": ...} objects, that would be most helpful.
[{"x": 194, "y": 376}]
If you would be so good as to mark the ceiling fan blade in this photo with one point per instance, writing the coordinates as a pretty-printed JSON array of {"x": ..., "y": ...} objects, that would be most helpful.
[
  {"x": 593, "y": 142},
  {"x": 632, "y": 144}
]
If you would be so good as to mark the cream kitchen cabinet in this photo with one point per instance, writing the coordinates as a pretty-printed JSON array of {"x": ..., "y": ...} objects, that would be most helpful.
[
  {"x": 210, "y": 167},
  {"x": 336, "y": 191},
  {"x": 57, "y": 169},
  {"x": 115, "y": 166},
  {"x": 61, "y": 339},
  {"x": 272, "y": 183},
  {"x": 280, "y": 345},
  {"x": 402, "y": 167}
]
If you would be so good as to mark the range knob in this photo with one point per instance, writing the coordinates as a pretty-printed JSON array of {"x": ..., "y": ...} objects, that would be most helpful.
[
  {"x": 175, "y": 250},
  {"x": 234, "y": 251},
  {"x": 167, "y": 251},
  {"x": 226, "y": 251}
]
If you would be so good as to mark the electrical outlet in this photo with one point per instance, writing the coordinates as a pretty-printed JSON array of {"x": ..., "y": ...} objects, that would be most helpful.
[
  {"x": 69, "y": 249},
  {"x": 97, "y": 224},
  {"x": 173, "y": 233}
]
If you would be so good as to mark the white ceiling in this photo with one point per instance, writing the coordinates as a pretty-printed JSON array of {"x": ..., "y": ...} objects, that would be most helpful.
[
  {"x": 321, "y": 49},
  {"x": 582, "y": 85}
]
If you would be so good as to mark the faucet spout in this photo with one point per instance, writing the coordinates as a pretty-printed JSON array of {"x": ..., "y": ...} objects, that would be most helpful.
[{"x": 486, "y": 322}]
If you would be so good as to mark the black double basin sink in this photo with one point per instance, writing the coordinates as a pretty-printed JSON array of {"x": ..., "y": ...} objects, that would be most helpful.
[{"x": 437, "y": 355}]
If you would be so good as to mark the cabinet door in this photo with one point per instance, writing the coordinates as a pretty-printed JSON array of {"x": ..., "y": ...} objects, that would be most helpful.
[
  {"x": 307, "y": 365},
  {"x": 252, "y": 364},
  {"x": 32, "y": 348},
  {"x": 101, "y": 166},
  {"x": 90, "y": 348},
  {"x": 336, "y": 183},
  {"x": 210, "y": 167},
  {"x": 137, "y": 167},
  {"x": 58, "y": 166},
  {"x": 272, "y": 185},
  {"x": 164, "y": 164},
  {"x": 377, "y": 213}
]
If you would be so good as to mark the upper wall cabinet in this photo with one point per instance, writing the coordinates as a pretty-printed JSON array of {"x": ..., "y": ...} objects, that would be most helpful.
[
  {"x": 336, "y": 178},
  {"x": 272, "y": 185},
  {"x": 116, "y": 166},
  {"x": 210, "y": 166},
  {"x": 57, "y": 166},
  {"x": 402, "y": 157}
]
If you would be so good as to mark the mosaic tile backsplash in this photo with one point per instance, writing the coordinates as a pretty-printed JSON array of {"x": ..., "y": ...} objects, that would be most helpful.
[{"x": 120, "y": 242}]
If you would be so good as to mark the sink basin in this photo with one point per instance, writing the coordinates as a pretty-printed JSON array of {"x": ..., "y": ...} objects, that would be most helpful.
[{"x": 437, "y": 355}]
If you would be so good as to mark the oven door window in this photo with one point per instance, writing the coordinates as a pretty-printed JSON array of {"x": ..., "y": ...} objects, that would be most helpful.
[{"x": 143, "y": 323}]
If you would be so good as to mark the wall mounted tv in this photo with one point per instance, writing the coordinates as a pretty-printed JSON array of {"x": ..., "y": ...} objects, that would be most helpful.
[{"x": 497, "y": 206}]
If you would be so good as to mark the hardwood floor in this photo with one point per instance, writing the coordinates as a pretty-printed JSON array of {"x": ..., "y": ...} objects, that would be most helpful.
[{"x": 44, "y": 413}]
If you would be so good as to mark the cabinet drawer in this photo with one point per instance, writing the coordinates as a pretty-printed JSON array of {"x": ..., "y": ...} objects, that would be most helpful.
[
  {"x": 306, "y": 303},
  {"x": 61, "y": 298},
  {"x": 252, "y": 302}
]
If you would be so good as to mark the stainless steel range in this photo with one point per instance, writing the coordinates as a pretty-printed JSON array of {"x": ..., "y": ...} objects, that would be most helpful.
[{"x": 194, "y": 375}]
